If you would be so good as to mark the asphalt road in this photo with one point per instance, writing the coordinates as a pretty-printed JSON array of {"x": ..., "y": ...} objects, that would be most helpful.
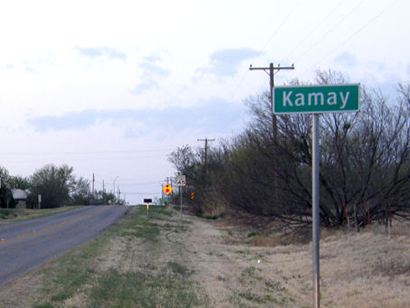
[{"x": 28, "y": 244}]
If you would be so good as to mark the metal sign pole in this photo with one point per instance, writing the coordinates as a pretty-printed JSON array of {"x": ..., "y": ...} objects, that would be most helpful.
[
  {"x": 315, "y": 209},
  {"x": 316, "y": 99},
  {"x": 180, "y": 196},
  {"x": 39, "y": 201},
  {"x": 180, "y": 180}
]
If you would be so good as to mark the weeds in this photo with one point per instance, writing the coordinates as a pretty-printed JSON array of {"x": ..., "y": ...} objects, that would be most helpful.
[
  {"x": 13, "y": 215},
  {"x": 149, "y": 284},
  {"x": 274, "y": 285},
  {"x": 144, "y": 290},
  {"x": 248, "y": 298},
  {"x": 8, "y": 213},
  {"x": 393, "y": 266},
  {"x": 180, "y": 269}
]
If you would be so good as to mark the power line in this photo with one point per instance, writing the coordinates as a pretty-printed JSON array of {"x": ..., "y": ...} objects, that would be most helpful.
[
  {"x": 307, "y": 36},
  {"x": 371, "y": 20},
  {"x": 68, "y": 160},
  {"x": 330, "y": 30},
  {"x": 25, "y": 153},
  {"x": 284, "y": 21},
  {"x": 141, "y": 193},
  {"x": 271, "y": 69},
  {"x": 127, "y": 183},
  {"x": 133, "y": 179},
  {"x": 206, "y": 140}
]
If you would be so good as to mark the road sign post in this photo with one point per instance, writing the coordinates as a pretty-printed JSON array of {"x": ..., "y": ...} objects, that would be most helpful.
[
  {"x": 315, "y": 209},
  {"x": 180, "y": 180},
  {"x": 180, "y": 198},
  {"x": 316, "y": 100},
  {"x": 147, "y": 203}
]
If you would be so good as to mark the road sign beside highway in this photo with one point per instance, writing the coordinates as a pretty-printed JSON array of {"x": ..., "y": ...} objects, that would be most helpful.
[
  {"x": 316, "y": 99},
  {"x": 180, "y": 180}
]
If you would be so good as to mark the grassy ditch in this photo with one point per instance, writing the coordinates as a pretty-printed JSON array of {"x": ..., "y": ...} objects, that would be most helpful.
[
  {"x": 125, "y": 267},
  {"x": 13, "y": 215}
]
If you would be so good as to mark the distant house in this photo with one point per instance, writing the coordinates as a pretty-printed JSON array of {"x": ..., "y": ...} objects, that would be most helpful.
[{"x": 20, "y": 197}]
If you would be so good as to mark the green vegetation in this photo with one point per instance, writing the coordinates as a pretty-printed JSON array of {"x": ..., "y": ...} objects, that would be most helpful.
[
  {"x": 57, "y": 186},
  {"x": 7, "y": 213},
  {"x": 79, "y": 276},
  {"x": 169, "y": 287},
  {"x": 266, "y": 170},
  {"x": 12, "y": 215},
  {"x": 248, "y": 299}
]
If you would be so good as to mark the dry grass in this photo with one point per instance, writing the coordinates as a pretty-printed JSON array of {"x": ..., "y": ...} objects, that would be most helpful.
[
  {"x": 367, "y": 269},
  {"x": 235, "y": 266},
  {"x": 14, "y": 215}
]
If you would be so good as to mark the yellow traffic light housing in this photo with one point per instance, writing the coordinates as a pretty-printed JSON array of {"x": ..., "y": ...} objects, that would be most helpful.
[{"x": 167, "y": 189}]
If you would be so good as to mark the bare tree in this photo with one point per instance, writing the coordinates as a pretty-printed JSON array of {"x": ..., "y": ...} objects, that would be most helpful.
[{"x": 365, "y": 162}]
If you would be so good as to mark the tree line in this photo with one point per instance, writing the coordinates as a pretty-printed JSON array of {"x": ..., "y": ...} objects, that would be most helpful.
[
  {"x": 57, "y": 186},
  {"x": 266, "y": 169}
]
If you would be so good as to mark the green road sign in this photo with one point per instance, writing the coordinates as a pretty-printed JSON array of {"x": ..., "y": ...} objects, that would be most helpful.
[{"x": 316, "y": 99}]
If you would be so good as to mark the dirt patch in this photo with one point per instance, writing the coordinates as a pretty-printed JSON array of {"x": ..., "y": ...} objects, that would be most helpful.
[
  {"x": 237, "y": 266},
  {"x": 20, "y": 292},
  {"x": 241, "y": 266}
]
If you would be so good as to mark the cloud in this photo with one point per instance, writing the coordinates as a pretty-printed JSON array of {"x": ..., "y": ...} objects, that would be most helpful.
[
  {"x": 30, "y": 69},
  {"x": 97, "y": 52},
  {"x": 6, "y": 67},
  {"x": 144, "y": 86},
  {"x": 38, "y": 64},
  {"x": 346, "y": 59},
  {"x": 68, "y": 121},
  {"x": 215, "y": 116},
  {"x": 151, "y": 69},
  {"x": 225, "y": 62}
]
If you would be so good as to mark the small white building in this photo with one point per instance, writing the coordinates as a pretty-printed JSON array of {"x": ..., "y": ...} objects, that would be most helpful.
[{"x": 20, "y": 196}]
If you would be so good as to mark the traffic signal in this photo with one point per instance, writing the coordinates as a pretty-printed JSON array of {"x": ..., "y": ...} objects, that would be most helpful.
[
  {"x": 167, "y": 189},
  {"x": 192, "y": 195}
]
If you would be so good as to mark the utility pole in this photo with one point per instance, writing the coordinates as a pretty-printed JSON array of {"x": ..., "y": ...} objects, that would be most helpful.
[
  {"x": 206, "y": 140},
  {"x": 113, "y": 187},
  {"x": 103, "y": 194},
  {"x": 270, "y": 70},
  {"x": 113, "y": 184},
  {"x": 93, "y": 185}
]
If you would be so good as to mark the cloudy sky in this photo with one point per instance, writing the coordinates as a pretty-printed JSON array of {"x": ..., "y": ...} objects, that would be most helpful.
[{"x": 112, "y": 87}]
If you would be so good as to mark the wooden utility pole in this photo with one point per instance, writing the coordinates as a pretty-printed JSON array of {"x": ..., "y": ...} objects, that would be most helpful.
[
  {"x": 103, "y": 194},
  {"x": 270, "y": 70},
  {"x": 93, "y": 186},
  {"x": 206, "y": 140}
]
